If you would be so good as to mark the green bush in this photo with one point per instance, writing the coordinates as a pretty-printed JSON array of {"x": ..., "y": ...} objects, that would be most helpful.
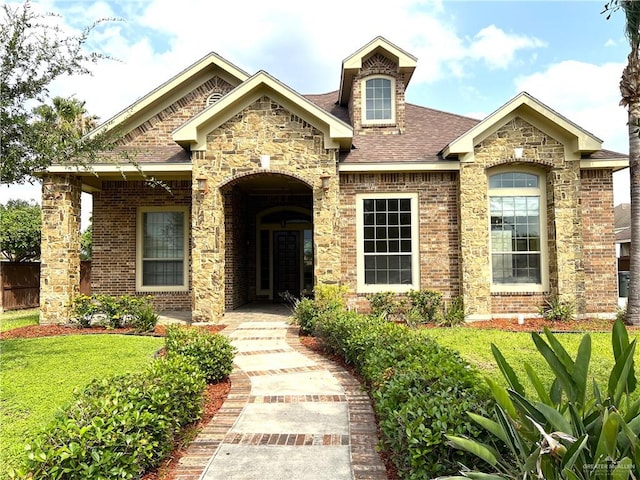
[
  {"x": 114, "y": 312},
  {"x": 326, "y": 298},
  {"x": 420, "y": 390},
  {"x": 212, "y": 353},
  {"x": 557, "y": 310},
  {"x": 118, "y": 427},
  {"x": 426, "y": 302},
  {"x": 452, "y": 313},
  {"x": 305, "y": 314},
  {"x": 384, "y": 304}
]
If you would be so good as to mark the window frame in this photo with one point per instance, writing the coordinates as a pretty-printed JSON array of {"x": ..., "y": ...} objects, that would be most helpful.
[
  {"x": 140, "y": 249},
  {"x": 363, "y": 287},
  {"x": 539, "y": 192},
  {"x": 363, "y": 89}
]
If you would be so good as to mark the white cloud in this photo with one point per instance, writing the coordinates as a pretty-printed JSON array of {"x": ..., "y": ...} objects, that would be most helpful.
[
  {"x": 498, "y": 48},
  {"x": 303, "y": 50},
  {"x": 586, "y": 94}
]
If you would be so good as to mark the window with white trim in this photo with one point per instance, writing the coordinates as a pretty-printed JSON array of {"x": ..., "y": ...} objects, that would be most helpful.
[
  {"x": 378, "y": 104},
  {"x": 517, "y": 231},
  {"x": 162, "y": 249},
  {"x": 387, "y": 242}
]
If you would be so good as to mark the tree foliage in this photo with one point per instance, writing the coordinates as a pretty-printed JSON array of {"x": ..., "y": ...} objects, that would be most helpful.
[
  {"x": 86, "y": 243},
  {"x": 630, "y": 99},
  {"x": 34, "y": 52},
  {"x": 20, "y": 225}
]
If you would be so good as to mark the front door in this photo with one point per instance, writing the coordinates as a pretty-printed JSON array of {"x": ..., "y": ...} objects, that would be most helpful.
[{"x": 286, "y": 262}]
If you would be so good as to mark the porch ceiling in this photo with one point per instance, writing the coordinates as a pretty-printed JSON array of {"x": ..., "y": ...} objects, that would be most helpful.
[{"x": 272, "y": 185}]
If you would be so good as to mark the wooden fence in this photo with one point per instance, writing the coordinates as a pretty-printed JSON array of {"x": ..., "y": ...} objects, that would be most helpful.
[{"x": 20, "y": 284}]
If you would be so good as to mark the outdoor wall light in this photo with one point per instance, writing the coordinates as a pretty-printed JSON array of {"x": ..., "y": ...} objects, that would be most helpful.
[
  {"x": 202, "y": 184},
  {"x": 325, "y": 182},
  {"x": 265, "y": 161},
  {"x": 517, "y": 152}
]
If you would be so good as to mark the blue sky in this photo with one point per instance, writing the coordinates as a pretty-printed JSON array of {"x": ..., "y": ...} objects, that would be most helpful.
[{"x": 473, "y": 56}]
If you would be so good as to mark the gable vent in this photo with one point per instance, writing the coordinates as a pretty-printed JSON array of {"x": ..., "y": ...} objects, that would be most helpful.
[{"x": 213, "y": 98}]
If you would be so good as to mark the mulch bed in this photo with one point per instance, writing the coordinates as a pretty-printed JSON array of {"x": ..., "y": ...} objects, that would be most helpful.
[{"x": 33, "y": 331}]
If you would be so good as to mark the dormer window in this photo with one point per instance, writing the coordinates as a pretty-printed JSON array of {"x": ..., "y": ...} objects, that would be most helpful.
[{"x": 378, "y": 106}]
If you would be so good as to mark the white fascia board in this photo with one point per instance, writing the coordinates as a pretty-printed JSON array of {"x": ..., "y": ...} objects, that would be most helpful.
[
  {"x": 586, "y": 142},
  {"x": 445, "y": 166},
  {"x": 162, "y": 90},
  {"x": 109, "y": 168},
  {"x": 614, "y": 163}
]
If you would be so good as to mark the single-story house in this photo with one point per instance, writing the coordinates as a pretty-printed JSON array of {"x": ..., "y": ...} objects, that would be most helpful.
[{"x": 268, "y": 190}]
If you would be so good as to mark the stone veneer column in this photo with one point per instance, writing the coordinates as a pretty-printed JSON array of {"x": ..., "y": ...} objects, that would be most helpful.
[
  {"x": 207, "y": 253},
  {"x": 568, "y": 278},
  {"x": 60, "y": 256},
  {"x": 474, "y": 241},
  {"x": 326, "y": 233}
]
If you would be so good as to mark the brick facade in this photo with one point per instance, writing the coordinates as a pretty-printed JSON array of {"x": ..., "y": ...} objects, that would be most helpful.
[
  {"x": 438, "y": 224},
  {"x": 596, "y": 206},
  {"x": 115, "y": 210},
  {"x": 454, "y": 254}
]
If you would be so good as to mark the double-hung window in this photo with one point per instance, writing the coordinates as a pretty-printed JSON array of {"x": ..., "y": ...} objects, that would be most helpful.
[
  {"x": 162, "y": 249},
  {"x": 379, "y": 101},
  {"x": 517, "y": 231},
  {"x": 387, "y": 242}
]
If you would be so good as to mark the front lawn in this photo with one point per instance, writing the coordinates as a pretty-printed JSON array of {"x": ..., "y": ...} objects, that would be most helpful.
[
  {"x": 39, "y": 375},
  {"x": 517, "y": 347},
  {"x": 18, "y": 318}
]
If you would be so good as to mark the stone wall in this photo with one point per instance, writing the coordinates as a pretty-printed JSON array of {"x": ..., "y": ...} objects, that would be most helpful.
[
  {"x": 565, "y": 256},
  {"x": 438, "y": 225},
  {"x": 234, "y": 150},
  {"x": 115, "y": 210},
  {"x": 60, "y": 255}
]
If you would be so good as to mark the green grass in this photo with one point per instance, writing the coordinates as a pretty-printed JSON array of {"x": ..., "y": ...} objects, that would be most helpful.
[
  {"x": 18, "y": 318},
  {"x": 475, "y": 346},
  {"x": 39, "y": 375}
]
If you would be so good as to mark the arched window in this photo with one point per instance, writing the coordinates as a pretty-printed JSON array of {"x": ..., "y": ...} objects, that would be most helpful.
[
  {"x": 517, "y": 231},
  {"x": 378, "y": 104}
]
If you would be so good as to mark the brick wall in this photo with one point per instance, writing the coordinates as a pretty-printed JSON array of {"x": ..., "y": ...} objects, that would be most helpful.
[
  {"x": 599, "y": 255},
  {"x": 438, "y": 225},
  {"x": 157, "y": 131},
  {"x": 114, "y": 237}
]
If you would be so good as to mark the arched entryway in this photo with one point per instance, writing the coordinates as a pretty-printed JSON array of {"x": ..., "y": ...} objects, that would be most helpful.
[{"x": 268, "y": 238}]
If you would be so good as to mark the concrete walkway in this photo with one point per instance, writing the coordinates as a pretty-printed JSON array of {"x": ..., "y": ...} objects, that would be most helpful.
[{"x": 290, "y": 414}]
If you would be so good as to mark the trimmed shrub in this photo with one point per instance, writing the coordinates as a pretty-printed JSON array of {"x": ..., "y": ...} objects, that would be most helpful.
[
  {"x": 420, "y": 390},
  {"x": 212, "y": 353},
  {"x": 327, "y": 298},
  {"x": 114, "y": 312},
  {"x": 118, "y": 427}
]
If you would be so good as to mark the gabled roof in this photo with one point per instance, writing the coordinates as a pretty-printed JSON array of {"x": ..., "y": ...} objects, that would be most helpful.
[
  {"x": 175, "y": 88},
  {"x": 535, "y": 112},
  {"x": 192, "y": 134},
  {"x": 353, "y": 63}
]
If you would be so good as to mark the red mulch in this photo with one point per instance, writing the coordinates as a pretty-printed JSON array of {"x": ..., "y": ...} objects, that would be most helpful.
[
  {"x": 32, "y": 331},
  {"x": 538, "y": 324}
]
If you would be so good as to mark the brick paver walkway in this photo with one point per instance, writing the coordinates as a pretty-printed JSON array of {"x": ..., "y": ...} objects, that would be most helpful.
[{"x": 290, "y": 413}]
